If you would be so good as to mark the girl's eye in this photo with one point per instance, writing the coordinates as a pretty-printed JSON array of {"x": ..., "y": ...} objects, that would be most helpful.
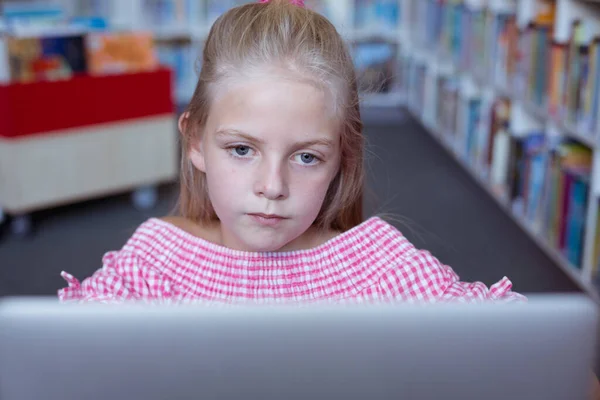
[
  {"x": 241, "y": 151},
  {"x": 307, "y": 158}
]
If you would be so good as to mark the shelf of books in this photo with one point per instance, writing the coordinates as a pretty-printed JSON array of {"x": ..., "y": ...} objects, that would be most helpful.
[
  {"x": 178, "y": 29},
  {"x": 511, "y": 88},
  {"x": 98, "y": 130}
]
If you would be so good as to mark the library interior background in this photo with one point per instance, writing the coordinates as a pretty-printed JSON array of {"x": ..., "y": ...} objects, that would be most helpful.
[{"x": 481, "y": 118}]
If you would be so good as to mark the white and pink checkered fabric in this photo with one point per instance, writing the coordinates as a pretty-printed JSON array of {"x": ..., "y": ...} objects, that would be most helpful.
[{"x": 371, "y": 262}]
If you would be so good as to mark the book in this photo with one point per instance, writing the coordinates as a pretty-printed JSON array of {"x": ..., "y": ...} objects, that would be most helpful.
[
  {"x": 545, "y": 12},
  {"x": 589, "y": 93},
  {"x": 575, "y": 221},
  {"x": 479, "y": 51},
  {"x": 516, "y": 176},
  {"x": 505, "y": 51},
  {"x": 558, "y": 55},
  {"x": 46, "y": 58},
  {"x": 499, "y": 170},
  {"x": 120, "y": 52},
  {"x": 499, "y": 121},
  {"x": 535, "y": 155},
  {"x": 571, "y": 168},
  {"x": 472, "y": 125}
]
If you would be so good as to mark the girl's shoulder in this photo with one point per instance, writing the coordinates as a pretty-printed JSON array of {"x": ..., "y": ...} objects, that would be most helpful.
[{"x": 169, "y": 234}]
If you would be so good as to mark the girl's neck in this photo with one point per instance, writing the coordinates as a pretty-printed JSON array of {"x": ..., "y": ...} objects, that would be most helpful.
[
  {"x": 213, "y": 233},
  {"x": 311, "y": 238}
]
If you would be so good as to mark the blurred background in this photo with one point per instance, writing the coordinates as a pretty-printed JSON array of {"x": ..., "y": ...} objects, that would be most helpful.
[{"x": 481, "y": 118}]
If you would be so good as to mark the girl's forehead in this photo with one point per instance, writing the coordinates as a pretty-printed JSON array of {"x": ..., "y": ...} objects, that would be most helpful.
[{"x": 272, "y": 105}]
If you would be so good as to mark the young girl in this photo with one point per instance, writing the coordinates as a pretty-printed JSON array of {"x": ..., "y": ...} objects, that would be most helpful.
[{"x": 271, "y": 185}]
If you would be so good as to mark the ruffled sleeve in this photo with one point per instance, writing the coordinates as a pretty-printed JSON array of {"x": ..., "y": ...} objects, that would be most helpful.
[
  {"x": 123, "y": 277},
  {"x": 415, "y": 275},
  {"x": 419, "y": 276}
]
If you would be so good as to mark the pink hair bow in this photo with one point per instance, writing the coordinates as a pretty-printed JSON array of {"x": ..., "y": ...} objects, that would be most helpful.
[{"x": 299, "y": 3}]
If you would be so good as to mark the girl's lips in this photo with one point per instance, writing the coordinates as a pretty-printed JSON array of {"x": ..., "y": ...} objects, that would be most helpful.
[{"x": 271, "y": 220}]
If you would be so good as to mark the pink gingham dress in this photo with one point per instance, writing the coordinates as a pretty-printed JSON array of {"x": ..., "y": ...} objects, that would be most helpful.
[{"x": 371, "y": 262}]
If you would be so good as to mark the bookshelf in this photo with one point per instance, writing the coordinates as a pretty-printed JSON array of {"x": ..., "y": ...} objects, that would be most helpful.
[{"x": 510, "y": 89}]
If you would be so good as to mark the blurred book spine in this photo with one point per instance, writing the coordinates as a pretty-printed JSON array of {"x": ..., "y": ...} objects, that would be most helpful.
[{"x": 376, "y": 15}]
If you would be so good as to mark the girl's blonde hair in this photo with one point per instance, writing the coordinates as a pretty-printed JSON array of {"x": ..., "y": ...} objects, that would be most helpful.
[{"x": 258, "y": 36}]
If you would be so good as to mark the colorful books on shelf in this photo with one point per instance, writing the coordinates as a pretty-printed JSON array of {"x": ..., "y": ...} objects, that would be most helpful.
[
  {"x": 528, "y": 171},
  {"x": 519, "y": 105},
  {"x": 561, "y": 79},
  {"x": 567, "y": 196},
  {"x": 47, "y": 58},
  {"x": 33, "y": 59},
  {"x": 579, "y": 69}
]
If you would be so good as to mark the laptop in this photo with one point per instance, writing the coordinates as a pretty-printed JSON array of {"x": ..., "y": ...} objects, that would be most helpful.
[{"x": 543, "y": 349}]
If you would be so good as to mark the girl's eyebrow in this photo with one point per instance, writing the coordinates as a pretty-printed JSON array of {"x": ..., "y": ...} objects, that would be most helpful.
[
  {"x": 243, "y": 135},
  {"x": 239, "y": 134}
]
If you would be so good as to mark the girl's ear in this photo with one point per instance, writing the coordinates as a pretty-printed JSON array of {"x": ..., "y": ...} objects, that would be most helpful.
[
  {"x": 183, "y": 119},
  {"x": 195, "y": 152}
]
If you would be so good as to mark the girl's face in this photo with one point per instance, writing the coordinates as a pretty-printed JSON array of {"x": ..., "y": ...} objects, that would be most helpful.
[{"x": 270, "y": 149}]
